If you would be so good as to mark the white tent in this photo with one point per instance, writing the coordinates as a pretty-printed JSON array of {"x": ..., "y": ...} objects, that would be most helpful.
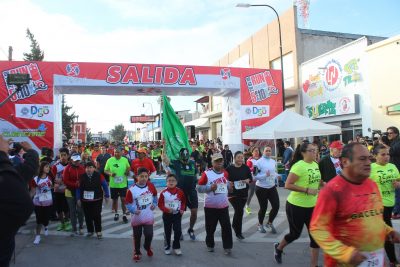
[{"x": 289, "y": 124}]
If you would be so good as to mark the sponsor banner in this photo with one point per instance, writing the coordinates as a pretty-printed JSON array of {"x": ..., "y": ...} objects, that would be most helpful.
[
  {"x": 332, "y": 107},
  {"x": 142, "y": 119},
  {"x": 254, "y": 112},
  {"x": 35, "y": 112}
]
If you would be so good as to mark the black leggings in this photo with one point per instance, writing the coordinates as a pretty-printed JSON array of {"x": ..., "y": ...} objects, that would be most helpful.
[
  {"x": 297, "y": 218},
  {"x": 238, "y": 204},
  {"x": 389, "y": 246},
  {"x": 92, "y": 211},
  {"x": 43, "y": 215},
  {"x": 147, "y": 230},
  {"x": 264, "y": 195}
]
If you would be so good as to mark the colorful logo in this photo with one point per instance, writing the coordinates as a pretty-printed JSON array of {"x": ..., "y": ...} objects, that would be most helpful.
[
  {"x": 261, "y": 86},
  {"x": 34, "y": 112},
  {"x": 72, "y": 69},
  {"x": 225, "y": 73},
  {"x": 333, "y": 75},
  {"x": 35, "y": 84},
  {"x": 254, "y": 112},
  {"x": 344, "y": 104}
]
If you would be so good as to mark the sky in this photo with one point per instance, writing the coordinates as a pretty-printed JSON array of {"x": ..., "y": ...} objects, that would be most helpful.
[{"x": 187, "y": 32}]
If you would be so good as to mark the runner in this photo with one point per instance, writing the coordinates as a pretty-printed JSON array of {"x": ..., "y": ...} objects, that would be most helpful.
[
  {"x": 172, "y": 203},
  {"x": 59, "y": 191},
  {"x": 304, "y": 181},
  {"x": 101, "y": 161},
  {"x": 90, "y": 196},
  {"x": 71, "y": 175},
  {"x": 117, "y": 168},
  {"x": 265, "y": 176},
  {"x": 215, "y": 183},
  {"x": 143, "y": 162},
  {"x": 186, "y": 173},
  {"x": 256, "y": 153},
  {"x": 141, "y": 200},
  {"x": 95, "y": 153},
  {"x": 347, "y": 222},
  {"x": 156, "y": 157},
  {"x": 387, "y": 177},
  {"x": 241, "y": 177},
  {"x": 41, "y": 189}
]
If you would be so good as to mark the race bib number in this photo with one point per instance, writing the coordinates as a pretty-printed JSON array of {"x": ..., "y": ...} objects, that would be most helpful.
[
  {"x": 221, "y": 189},
  {"x": 145, "y": 200},
  {"x": 118, "y": 179},
  {"x": 374, "y": 259},
  {"x": 239, "y": 184},
  {"x": 155, "y": 160},
  {"x": 88, "y": 195},
  {"x": 45, "y": 196},
  {"x": 174, "y": 205}
]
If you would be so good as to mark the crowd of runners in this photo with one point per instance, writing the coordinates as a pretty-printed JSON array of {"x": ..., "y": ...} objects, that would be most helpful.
[{"x": 345, "y": 197}]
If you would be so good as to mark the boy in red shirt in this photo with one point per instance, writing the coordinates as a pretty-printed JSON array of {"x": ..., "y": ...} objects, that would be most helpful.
[{"x": 172, "y": 202}]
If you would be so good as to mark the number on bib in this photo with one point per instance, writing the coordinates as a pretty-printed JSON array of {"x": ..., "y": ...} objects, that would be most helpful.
[
  {"x": 145, "y": 200},
  {"x": 239, "y": 184},
  {"x": 174, "y": 205},
  {"x": 374, "y": 259},
  {"x": 118, "y": 179},
  {"x": 221, "y": 189},
  {"x": 45, "y": 196},
  {"x": 88, "y": 195}
]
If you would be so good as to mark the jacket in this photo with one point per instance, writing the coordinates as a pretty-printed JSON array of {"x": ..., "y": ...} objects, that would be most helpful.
[
  {"x": 71, "y": 176},
  {"x": 327, "y": 169}
]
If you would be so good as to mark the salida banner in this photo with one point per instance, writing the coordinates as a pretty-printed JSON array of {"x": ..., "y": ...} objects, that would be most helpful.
[{"x": 31, "y": 114}]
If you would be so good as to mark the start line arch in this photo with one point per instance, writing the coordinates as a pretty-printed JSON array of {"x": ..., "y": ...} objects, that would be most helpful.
[{"x": 251, "y": 97}]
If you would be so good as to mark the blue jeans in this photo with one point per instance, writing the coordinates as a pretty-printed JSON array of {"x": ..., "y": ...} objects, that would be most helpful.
[{"x": 396, "y": 209}]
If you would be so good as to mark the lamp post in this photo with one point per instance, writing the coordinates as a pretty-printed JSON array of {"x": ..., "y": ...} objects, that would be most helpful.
[
  {"x": 280, "y": 45},
  {"x": 152, "y": 114}
]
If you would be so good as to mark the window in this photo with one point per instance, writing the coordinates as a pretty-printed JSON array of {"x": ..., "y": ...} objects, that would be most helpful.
[{"x": 288, "y": 68}]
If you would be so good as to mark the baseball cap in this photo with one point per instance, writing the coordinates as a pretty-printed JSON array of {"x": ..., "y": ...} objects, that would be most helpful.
[
  {"x": 89, "y": 164},
  {"x": 141, "y": 150},
  {"x": 75, "y": 157},
  {"x": 336, "y": 144},
  {"x": 216, "y": 156}
]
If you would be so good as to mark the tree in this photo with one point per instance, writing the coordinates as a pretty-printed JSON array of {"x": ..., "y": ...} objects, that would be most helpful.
[
  {"x": 36, "y": 54},
  {"x": 67, "y": 119},
  {"x": 118, "y": 133},
  {"x": 89, "y": 136}
]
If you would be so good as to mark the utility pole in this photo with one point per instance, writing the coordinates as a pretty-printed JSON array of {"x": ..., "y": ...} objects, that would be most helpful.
[{"x": 10, "y": 50}]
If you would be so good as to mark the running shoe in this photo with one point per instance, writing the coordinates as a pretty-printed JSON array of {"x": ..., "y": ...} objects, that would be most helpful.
[
  {"x": 116, "y": 217},
  {"x": 67, "y": 226},
  {"x": 178, "y": 252},
  {"x": 137, "y": 257},
  {"x": 46, "y": 231},
  {"x": 99, "y": 235},
  {"x": 37, "y": 240},
  {"x": 150, "y": 252},
  {"x": 277, "y": 253},
  {"x": 261, "y": 229},
  {"x": 271, "y": 227},
  {"x": 167, "y": 251},
  {"x": 80, "y": 231},
  {"x": 210, "y": 249},
  {"x": 125, "y": 219},
  {"x": 248, "y": 210},
  {"x": 227, "y": 251},
  {"x": 191, "y": 234},
  {"x": 239, "y": 237}
]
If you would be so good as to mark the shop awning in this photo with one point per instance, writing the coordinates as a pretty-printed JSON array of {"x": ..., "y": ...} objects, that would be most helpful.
[{"x": 198, "y": 123}]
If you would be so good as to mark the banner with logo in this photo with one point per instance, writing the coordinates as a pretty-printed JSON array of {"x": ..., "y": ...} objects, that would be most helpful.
[{"x": 34, "y": 113}]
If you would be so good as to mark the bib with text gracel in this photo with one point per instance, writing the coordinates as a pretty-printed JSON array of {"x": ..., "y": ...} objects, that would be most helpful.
[
  {"x": 145, "y": 200},
  {"x": 221, "y": 189},
  {"x": 89, "y": 195},
  {"x": 239, "y": 184}
]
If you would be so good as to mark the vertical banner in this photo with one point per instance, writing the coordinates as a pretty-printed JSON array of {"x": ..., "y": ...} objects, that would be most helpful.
[{"x": 231, "y": 134}]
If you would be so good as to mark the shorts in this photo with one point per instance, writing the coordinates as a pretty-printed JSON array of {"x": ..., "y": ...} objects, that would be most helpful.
[
  {"x": 118, "y": 192},
  {"x": 42, "y": 214},
  {"x": 60, "y": 203},
  {"x": 192, "y": 201}
]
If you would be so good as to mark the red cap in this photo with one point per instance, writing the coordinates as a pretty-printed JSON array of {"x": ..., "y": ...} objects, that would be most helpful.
[{"x": 336, "y": 144}]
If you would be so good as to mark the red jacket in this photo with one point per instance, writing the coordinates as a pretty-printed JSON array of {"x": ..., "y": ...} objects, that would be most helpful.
[
  {"x": 71, "y": 176},
  {"x": 170, "y": 195}
]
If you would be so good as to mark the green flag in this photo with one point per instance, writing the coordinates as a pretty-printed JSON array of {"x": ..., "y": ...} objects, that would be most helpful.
[{"x": 174, "y": 132}]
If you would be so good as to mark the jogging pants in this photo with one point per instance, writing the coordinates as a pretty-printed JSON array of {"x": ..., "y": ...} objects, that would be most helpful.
[
  {"x": 75, "y": 212},
  {"x": 172, "y": 221},
  {"x": 252, "y": 187},
  {"x": 264, "y": 195},
  {"x": 238, "y": 205},
  {"x": 212, "y": 217},
  {"x": 92, "y": 210},
  {"x": 396, "y": 209},
  {"x": 389, "y": 246},
  {"x": 297, "y": 218},
  {"x": 147, "y": 230}
]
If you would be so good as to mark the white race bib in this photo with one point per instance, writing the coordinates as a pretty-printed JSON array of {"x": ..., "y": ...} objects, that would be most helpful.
[
  {"x": 174, "y": 205},
  {"x": 155, "y": 160},
  {"x": 374, "y": 259},
  {"x": 88, "y": 195},
  {"x": 145, "y": 200},
  {"x": 118, "y": 179},
  {"x": 239, "y": 184},
  {"x": 45, "y": 196},
  {"x": 221, "y": 189}
]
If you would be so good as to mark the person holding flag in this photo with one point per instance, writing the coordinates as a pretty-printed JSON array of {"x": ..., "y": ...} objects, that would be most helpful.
[{"x": 176, "y": 160}]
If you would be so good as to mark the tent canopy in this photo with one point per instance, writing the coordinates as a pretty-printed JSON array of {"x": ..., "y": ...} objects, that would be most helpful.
[{"x": 289, "y": 124}]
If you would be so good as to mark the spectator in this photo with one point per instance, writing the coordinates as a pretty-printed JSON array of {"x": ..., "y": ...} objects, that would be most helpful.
[
  {"x": 394, "y": 151},
  {"x": 330, "y": 166}
]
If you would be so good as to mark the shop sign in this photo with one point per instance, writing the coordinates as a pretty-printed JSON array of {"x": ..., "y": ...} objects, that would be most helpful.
[{"x": 332, "y": 107}]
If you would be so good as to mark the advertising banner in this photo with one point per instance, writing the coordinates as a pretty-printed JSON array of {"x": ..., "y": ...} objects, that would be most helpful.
[{"x": 332, "y": 107}]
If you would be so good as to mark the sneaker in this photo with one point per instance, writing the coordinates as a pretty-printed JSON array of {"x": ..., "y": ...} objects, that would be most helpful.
[
  {"x": 37, "y": 240},
  {"x": 227, "y": 251},
  {"x": 191, "y": 234},
  {"x": 99, "y": 235},
  {"x": 239, "y": 237},
  {"x": 277, "y": 253},
  {"x": 167, "y": 251},
  {"x": 248, "y": 210},
  {"x": 67, "y": 227},
  {"x": 150, "y": 253},
  {"x": 125, "y": 219},
  {"x": 271, "y": 227},
  {"x": 80, "y": 231},
  {"x": 178, "y": 252},
  {"x": 137, "y": 257},
  {"x": 261, "y": 229},
  {"x": 210, "y": 249},
  {"x": 116, "y": 217},
  {"x": 89, "y": 234},
  {"x": 60, "y": 227},
  {"x": 46, "y": 231}
]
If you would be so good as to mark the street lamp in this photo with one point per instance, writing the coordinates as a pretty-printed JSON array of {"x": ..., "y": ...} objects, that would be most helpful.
[
  {"x": 280, "y": 45},
  {"x": 152, "y": 114}
]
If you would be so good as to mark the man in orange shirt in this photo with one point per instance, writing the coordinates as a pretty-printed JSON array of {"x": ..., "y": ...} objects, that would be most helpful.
[
  {"x": 96, "y": 152},
  {"x": 142, "y": 161}
]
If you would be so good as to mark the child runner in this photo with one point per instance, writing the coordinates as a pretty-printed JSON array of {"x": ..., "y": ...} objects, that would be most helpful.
[
  {"x": 41, "y": 188},
  {"x": 172, "y": 203},
  {"x": 141, "y": 200}
]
